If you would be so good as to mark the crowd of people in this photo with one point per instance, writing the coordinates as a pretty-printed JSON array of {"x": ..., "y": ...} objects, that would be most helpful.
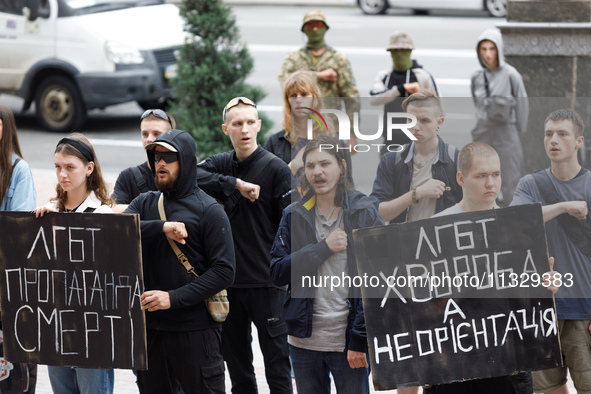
[{"x": 254, "y": 220}]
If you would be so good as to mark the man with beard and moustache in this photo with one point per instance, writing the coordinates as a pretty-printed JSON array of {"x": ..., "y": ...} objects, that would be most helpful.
[
  {"x": 184, "y": 343},
  {"x": 326, "y": 327},
  {"x": 253, "y": 297},
  {"x": 332, "y": 68},
  {"x": 392, "y": 85},
  {"x": 133, "y": 181}
]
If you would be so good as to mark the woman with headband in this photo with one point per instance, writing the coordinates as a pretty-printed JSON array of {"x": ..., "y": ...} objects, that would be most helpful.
[{"x": 80, "y": 188}]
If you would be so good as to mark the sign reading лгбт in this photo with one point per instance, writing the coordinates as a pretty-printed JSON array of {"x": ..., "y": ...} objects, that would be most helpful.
[
  {"x": 70, "y": 290},
  {"x": 458, "y": 297}
]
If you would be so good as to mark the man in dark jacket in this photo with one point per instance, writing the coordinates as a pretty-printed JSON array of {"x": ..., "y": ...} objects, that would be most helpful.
[
  {"x": 326, "y": 326},
  {"x": 184, "y": 343},
  {"x": 419, "y": 181},
  {"x": 254, "y": 297}
]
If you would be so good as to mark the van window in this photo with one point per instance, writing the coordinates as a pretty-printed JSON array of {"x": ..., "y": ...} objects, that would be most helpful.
[
  {"x": 95, "y": 6},
  {"x": 12, "y": 6}
]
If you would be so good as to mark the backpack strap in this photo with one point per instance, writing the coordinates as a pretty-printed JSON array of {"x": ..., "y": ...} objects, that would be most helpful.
[
  {"x": 571, "y": 226},
  {"x": 179, "y": 255},
  {"x": 451, "y": 168},
  {"x": 139, "y": 180},
  {"x": 251, "y": 176},
  {"x": 15, "y": 163}
]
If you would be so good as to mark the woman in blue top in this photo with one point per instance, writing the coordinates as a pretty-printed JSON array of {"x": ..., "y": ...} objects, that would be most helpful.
[{"x": 17, "y": 192}]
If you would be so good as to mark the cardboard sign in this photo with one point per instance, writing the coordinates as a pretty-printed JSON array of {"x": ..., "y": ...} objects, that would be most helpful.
[
  {"x": 457, "y": 297},
  {"x": 70, "y": 290}
]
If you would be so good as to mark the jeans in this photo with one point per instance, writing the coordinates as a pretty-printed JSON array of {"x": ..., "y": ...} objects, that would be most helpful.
[
  {"x": 67, "y": 380},
  {"x": 313, "y": 369}
]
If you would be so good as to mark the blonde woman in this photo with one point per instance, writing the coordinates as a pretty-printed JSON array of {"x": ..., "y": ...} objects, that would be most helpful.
[{"x": 301, "y": 94}]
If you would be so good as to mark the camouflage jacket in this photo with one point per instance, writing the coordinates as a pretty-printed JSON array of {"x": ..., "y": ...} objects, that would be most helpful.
[{"x": 343, "y": 87}]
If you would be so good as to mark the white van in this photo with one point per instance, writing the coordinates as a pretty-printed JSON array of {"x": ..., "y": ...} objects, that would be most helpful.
[{"x": 69, "y": 56}]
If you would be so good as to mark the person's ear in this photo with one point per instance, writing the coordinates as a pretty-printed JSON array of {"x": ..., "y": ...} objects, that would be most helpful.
[
  {"x": 89, "y": 168},
  {"x": 580, "y": 142},
  {"x": 460, "y": 178},
  {"x": 225, "y": 129},
  {"x": 259, "y": 124}
]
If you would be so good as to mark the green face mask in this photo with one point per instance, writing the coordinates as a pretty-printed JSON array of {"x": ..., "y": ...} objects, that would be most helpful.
[
  {"x": 401, "y": 59},
  {"x": 316, "y": 38}
]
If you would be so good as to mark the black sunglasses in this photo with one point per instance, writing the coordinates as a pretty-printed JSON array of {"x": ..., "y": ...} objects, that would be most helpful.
[
  {"x": 157, "y": 113},
  {"x": 168, "y": 157}
]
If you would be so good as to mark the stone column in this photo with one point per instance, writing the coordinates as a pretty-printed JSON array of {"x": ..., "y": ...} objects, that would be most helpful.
[{"x": 549, "y": 43}]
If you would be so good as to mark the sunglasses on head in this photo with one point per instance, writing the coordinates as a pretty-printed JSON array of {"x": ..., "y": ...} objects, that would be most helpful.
[
  {"x": 157, "y": 113},
  {"x": 168, "y": 157},
  {"x": 237, "y": 100}
]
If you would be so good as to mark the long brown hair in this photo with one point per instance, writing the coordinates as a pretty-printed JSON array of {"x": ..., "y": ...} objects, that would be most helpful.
[
  {"x": 299, "y": 82},
  {"x": 8, "y": 145},
  {"x": 94, "y": 182},
  {"x": 330, "y": 144}
]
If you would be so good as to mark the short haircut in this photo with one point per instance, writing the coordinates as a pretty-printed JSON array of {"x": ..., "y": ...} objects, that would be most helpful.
[
  {"x": 472, "y": 150},
  {"x": 170, "y": 120},
  {"x": 568, "y": 114},
  {"x": 425, "y": 98},
  {"x": 327, "y": 143},
  {"x": 225, "y": 115}
]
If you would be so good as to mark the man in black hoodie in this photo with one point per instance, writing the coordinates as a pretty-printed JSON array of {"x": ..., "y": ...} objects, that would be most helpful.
[{"x": 184, "y": 343}]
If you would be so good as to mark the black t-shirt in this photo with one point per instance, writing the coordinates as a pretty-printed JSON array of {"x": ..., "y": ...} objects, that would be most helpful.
[
  {"x": 126, "y": 188},
  {"x": 254, "y": 224}
]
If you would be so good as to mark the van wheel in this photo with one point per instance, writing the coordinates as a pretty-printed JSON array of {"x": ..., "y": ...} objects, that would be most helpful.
[
  {"x": 58, "y": 105},
  {"x": 373, "y": 7}
]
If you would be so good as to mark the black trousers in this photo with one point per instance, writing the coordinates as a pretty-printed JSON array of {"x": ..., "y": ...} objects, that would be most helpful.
[
  {"x": 191, "y": 358},
  {"x": 263, "y": 307}
]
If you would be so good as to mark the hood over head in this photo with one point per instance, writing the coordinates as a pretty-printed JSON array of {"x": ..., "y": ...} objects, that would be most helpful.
[
  {"x": 184, "y": 144},
  {"x": 495, "y": 36}
]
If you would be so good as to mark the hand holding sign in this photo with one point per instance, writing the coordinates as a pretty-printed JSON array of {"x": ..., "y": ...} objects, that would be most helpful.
[
  {"x": 175, "y": 231},
  {"x": 40, "y": 211}
]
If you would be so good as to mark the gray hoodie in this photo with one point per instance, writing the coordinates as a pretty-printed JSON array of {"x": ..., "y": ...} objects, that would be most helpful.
[{"x": 503, "y": 81}]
